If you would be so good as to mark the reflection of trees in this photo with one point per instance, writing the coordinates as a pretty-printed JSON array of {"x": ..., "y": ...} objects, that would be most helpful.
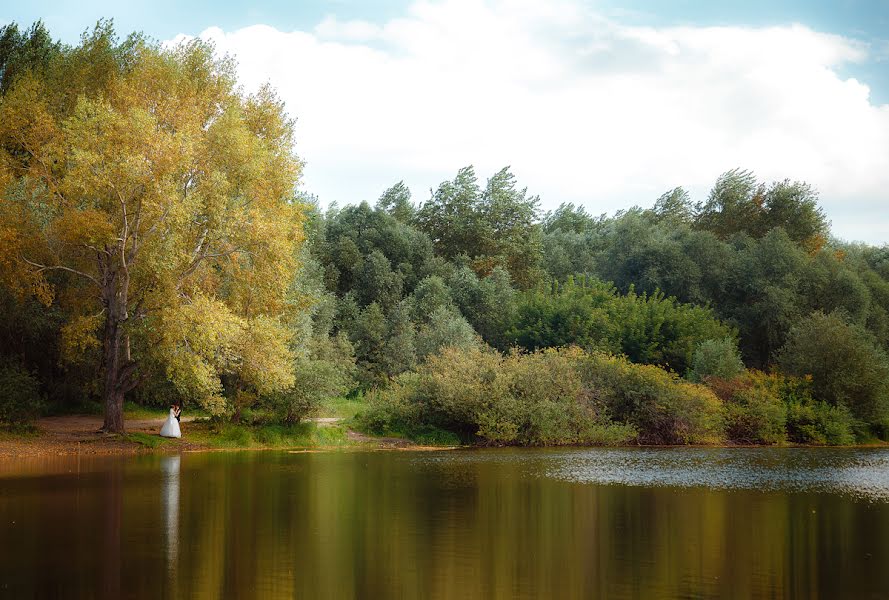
[
  {"x": 112, "y": 516},
  {"x": 387, "y": 525},
  {"x": 383, "y": 525}
]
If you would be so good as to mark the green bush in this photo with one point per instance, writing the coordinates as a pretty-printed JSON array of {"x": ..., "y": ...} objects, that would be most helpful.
[
  {"x": 391, "y": 410},
  {"x": 716, "y": 358},
  {"x": 325, "y": 370},
  {"x": 523, "y": 399},
  {"x": 820, "y": 423},
  {"x": 769, "y": 408},
  {"x": 663, "y": 408},
  {"x": 20, "y": 398},
  {"x": 845, "y": 364},
  {"x": 755, "y": 415}
]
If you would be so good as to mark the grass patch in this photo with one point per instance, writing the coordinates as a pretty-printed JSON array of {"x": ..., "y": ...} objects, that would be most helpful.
[
  {"x": 19, "y": 430},
  {"x": 343, "y": 408},
  {"x": 301, "y": 435},
  {"x": 144, "y": 439},
  {"x": 434, "y": 436}
]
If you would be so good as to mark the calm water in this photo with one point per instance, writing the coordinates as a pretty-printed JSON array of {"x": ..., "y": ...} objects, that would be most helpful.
[{"x": 637, "y": 523}]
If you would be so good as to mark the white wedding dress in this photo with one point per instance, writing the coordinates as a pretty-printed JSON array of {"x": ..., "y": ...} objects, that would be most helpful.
[{"x": 171, "y": 426}]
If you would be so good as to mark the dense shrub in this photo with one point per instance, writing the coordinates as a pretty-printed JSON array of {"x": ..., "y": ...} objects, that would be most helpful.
[
  {"x": 663, "y": 408},
  {"x": 755, "y": 415},
  {"x": 548, "y": 397},
  {"x": 846, "y": 365},
  {"x": 716, "y": 358},
  {"x": 325, "y": 369},
  {"x": 820, "y": 423},
  {"x": 393, "y": 409},
  {"x": 523, "y": 399},
  {"x": 20, "y": 398},
  {"x": 769, "y": 408}
]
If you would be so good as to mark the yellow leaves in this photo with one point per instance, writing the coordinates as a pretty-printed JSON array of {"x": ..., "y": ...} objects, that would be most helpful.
[
  {"x": 15, "y": 275},
  {"x": 25, "y": 114},
  {"x": 78, "y": 337},
  {"x": 265, "y": 359},
  {"x": 203, "y": 339},
  {"x": 88, "y": 227},
  {"x": 150, "y": 162}
]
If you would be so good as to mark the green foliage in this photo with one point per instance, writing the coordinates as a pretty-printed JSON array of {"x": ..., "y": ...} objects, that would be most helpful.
[
  {"x": 20, "y": 397},
  {"x": 373, "y": 255},
  {"x": 23, "y": 51},
  {"x": 846, "y": 366},
  {"x": 494, "y": 226},
  {"x": 663, "y": 408},
  {"x": 738, "y": 203},
  {"x": 393, "y": 409},
  {"x": 755, "y": 415},
  {"x": 325, "y": 370},
  {"x": 770, "y": 408},
  {"x": 445, "y": 329},
  {"x": 488, "y": 303},
  {"x": 397, "y": 202},
  {"x": 647, "y": 329},
  {"x": 716, "y": 358},
  {"x": 549, "y": 397},
  {"x": 820, "y": 423}
]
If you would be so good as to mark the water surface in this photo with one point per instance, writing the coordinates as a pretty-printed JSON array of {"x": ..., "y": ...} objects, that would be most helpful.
[{"x": 596, "y": 523}]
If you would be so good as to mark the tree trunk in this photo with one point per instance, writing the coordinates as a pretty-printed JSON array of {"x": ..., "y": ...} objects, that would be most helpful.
[
  {"x": 116, "y": 366},
  {"x": 112, "y": 394}
]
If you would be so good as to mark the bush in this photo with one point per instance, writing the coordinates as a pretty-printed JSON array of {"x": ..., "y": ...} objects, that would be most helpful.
[
  {"x": 522, "y": 399},
  {"x": 716, "y": 358},
  {"x": 755, "y": 415},
  {"x": 324, "y": 371},
  {"x": 391, "y": 410},
  {"x": 846, "y": 366},
  {"x": 768, "y": 408},
  {"x": 820, "y": 423},
  {"x": 663, "y": 408},
  {"x": 20, "y": 398}
]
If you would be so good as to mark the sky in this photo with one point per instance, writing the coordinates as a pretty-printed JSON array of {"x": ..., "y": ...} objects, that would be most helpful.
[{"x": 599, "y": 103}]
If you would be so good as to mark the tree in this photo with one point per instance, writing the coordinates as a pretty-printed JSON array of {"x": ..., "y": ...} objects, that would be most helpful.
[
  {"x": 738, "y": 203},
  {"x": 148, "y": 194},
  {"x": 494, "y": 226},
  {"x": 846, "y": 366},
  {"x": 445, "y": 329},
  {"x": 397, "y": 202},
  {"x": 21, "y": 52},
  {"x": 716, "y": 358}
]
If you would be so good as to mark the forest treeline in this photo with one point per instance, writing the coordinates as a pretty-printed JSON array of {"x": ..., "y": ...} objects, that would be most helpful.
[{"x": 154, "y": 248}]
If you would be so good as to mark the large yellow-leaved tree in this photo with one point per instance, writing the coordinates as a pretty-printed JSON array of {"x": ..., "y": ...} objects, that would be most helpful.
[{"x": 144, "y": 191}]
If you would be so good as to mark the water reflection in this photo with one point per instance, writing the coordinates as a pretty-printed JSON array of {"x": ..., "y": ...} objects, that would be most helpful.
[
  {"x": 487, "y": 524},
  {"x": 170, "y": 466},
  {"x": 859, "y": 473}
]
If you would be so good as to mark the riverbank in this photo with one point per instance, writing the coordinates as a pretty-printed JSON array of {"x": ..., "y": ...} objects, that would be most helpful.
[
  {"x": 70, "y": 435},
  {"x": 80, "y": 435}
]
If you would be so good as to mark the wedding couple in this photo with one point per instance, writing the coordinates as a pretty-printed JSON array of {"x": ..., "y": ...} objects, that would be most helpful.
[{"x": 170, "y": 428}]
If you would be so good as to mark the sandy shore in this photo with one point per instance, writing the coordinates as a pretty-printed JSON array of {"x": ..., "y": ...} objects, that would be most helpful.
[{"x": 79, "y": 434}]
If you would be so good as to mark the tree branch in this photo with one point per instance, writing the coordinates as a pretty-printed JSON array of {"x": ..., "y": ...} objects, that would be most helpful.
[{"x": 41, "y": 268}]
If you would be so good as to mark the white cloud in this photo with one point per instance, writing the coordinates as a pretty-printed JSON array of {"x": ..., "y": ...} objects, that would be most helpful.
[{"x": 585, "y": 109}]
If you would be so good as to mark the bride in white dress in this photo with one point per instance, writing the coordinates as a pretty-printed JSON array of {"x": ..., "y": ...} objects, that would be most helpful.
[{"x": 170, "y": 428}]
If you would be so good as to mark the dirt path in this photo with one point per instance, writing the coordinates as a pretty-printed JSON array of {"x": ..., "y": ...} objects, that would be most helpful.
[{"x": 79, "y": 434}]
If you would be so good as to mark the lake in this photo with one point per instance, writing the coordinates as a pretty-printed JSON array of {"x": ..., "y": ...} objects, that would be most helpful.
[{"x": 500, "y": 523}]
